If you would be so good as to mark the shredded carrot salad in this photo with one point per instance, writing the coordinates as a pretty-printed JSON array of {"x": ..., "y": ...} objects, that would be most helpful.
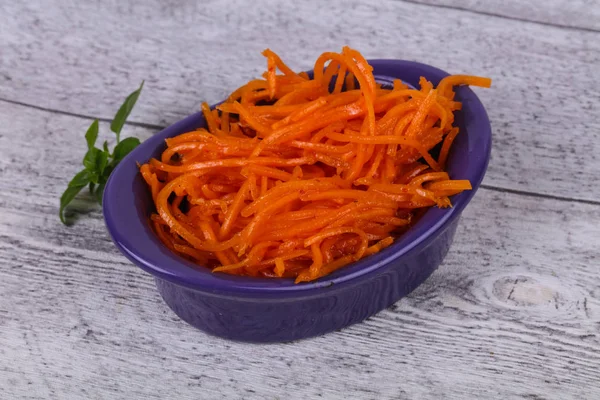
[{"x": 296, "y": 177}]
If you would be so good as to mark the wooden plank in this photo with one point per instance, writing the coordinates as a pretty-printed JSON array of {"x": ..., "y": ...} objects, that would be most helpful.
[
  {"x": 546, "y": 83},
  {"x": 514, "y": 312},
  {"x": 578, "y": 14}
]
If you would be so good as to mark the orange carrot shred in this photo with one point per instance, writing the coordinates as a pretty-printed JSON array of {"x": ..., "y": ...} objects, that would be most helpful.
[{"x": 297, "y": 177}]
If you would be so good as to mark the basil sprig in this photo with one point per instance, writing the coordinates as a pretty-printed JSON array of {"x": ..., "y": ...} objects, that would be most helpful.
[{"x": 99, "y": 163}]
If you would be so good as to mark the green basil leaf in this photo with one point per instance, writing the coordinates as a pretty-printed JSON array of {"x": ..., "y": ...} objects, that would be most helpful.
[
  {"x": 92, "y": 134},
  {"x": 89, "y": 160},
  {"x": 81, "y": 179},
  {"x": 124, "y": 111},
  {"x": 99, "y": 193},
  {"x": 101, "y": 163},
  {"x": 77, "y": 183},
  {"x": 124, "y": 148},
  {"x": 107, "y": 171},
  {"x": 65, "y": 199},
  {"x": 95, "y": 162}
]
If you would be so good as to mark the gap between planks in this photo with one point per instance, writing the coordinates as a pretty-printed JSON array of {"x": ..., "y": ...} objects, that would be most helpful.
[
  {"x": 159, "y": 127},
  {"x": 539, "y": 195},
  {"x": 82, "y": 116},
  {"x": 491, "y": 14}
]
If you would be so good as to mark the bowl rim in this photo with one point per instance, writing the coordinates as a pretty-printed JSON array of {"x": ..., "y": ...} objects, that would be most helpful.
[{"x": 130, "y": 234}]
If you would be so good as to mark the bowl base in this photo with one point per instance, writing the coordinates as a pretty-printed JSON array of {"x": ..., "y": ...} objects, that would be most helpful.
[{"x": 264, "y": 319}]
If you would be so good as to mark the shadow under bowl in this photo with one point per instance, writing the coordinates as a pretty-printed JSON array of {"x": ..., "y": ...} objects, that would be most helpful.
[{"x": 277, "y": 310}]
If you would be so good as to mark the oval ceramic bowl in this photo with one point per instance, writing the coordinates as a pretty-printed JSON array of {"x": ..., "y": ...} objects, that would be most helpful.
[{"x": 274, "y": 310}]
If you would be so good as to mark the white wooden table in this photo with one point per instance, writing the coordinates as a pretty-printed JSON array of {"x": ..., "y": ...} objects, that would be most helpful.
[{"x": 514, "y": 311}]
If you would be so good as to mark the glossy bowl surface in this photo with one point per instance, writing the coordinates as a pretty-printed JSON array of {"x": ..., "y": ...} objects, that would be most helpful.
[{"x": 274, "y": 310}]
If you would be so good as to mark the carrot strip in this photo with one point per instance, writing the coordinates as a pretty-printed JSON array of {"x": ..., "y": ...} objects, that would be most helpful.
[
  {"x": 281, "y": 65},
  {"x": 271, "y": 78},
  {"x": 350, "y": 82},
  {"x": 300, "y": 112},
  {"x": 446, "y": 83},
  {"x": 323, "y": 148},
  {"x": 234, "y": 210},
  {"x": 210, "y": 235},
  {"x": 279, "y": 267},
  {"x": 317, "y": 257},
  {"x": 339, "y": 81},
  {"x": 209, "y": 117},
  {"x": 445, "y": 150},
  {"x": 295, "y": 177}
]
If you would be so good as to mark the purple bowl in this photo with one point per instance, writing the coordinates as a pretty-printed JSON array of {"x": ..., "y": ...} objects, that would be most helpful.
[{"x": 276, "y": 310}]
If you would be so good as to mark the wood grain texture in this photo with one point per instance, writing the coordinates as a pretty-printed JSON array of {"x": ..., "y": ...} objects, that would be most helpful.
[
  {"x": 513, "y": 313},
  {"x": 83, "y": 57},
  {"x": 582, "y": 14}
]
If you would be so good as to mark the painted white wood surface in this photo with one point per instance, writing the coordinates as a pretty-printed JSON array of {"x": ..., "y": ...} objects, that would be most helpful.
[
  {"x": 78, "y": 57},
  {"x": 514, "y": 312},
  {"x": 578, "y": 14}
]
